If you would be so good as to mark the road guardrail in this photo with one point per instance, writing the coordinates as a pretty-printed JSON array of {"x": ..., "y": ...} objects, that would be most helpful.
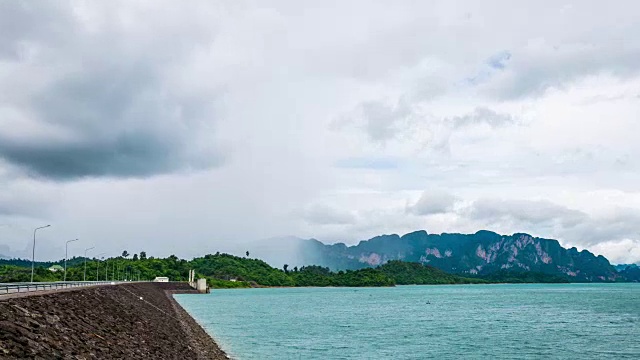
[{"x": 24, "y": 287}]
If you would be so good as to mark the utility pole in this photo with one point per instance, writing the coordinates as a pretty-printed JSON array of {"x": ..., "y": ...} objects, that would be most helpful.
[
  {"x": 98, "y": 265},
  {"x": 66, "y": 255},
  {"x": 85, "y": 261}
]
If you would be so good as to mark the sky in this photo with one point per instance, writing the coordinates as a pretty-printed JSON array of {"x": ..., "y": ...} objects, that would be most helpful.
[{"x": 209, "y": 126}]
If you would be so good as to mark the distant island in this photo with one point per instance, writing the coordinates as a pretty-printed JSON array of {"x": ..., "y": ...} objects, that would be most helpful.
[{"x": 484, "y": 254}]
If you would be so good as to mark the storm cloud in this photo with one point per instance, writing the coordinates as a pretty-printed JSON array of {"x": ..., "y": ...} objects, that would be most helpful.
[{"x": 99, "y": 104}]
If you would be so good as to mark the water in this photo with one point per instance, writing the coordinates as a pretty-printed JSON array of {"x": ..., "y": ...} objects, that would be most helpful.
[{"x": 585, "y": 321}]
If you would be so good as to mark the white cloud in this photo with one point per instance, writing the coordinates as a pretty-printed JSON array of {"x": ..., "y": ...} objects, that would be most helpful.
[
  {"x": 382, "y": 121},
  {"x": 433, "y": 202},
  {"x": 625, "y": 251},
  {"x": 525, "y": 212},
  {"x": 482, "y": 115}
]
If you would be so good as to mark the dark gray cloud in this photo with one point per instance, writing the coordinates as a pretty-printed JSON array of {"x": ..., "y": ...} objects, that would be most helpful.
[
  {"x": 106, "y": 105},
  {"x": 126, "y": 155},
  {"x": 118, "y": 125}
]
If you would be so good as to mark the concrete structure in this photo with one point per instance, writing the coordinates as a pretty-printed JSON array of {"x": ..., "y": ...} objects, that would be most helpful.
[
  {"x": 202, "y": 286},
  {"x": 161, "y": 279}
]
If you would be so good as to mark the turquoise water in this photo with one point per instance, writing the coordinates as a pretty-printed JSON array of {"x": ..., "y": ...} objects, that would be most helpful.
[{"x": 572, "y": 321}]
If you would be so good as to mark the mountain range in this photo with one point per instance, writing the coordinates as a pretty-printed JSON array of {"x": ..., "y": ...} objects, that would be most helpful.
[{"x": 478, "y": 254}]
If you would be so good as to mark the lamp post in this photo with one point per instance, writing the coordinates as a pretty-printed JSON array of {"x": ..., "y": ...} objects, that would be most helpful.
[
  {"x": 66, "y": 254},
  {"x": 85, "y": 261},
  {"x": 33, "y": 251},
  {"x": 98, "y": 264}
]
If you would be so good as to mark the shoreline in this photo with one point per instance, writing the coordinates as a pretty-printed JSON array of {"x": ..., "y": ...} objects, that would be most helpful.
[
  {"x": 205, "y": 345},
  {"x": 396, "y": 285},
  {"x": 130, "y": 321}
]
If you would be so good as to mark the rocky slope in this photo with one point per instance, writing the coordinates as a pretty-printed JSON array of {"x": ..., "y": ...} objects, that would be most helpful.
[
  {"x": 481, "y": 253},
  {"x": 106, "y": 322}
]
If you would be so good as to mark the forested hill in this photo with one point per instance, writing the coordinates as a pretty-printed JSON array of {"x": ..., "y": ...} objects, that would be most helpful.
[
  {"x": 27, "y": 263},
  {"x": 224, "y": 270}
]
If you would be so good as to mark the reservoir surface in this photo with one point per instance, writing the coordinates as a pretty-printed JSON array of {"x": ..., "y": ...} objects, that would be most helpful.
[{"x": 586, "y": 321}]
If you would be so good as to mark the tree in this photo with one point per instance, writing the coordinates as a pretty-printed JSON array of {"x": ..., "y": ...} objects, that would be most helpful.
[
  {"x": 143, "y": 255},
  {"x": 135, "y": 257},
  {"x": 285, "y": 267},
  {"x": 247, "y": 253},
  {"x": 125, "y": 254},
  {"x": 295, "y": 269}
]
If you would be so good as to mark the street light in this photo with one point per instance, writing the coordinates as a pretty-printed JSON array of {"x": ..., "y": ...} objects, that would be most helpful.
[
  {"x": 106, "y": 270},
  {"x": 98, "y": 264},
  {"x": 66, "y": 254},
  {"x": 85, "y": 261},
  {"x": 33, "y": 251}
]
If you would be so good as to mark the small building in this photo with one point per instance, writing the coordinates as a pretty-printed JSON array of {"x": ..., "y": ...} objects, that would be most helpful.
[
  {"x": 161, "y": 279},
  {"x": 56, "y": 268}
]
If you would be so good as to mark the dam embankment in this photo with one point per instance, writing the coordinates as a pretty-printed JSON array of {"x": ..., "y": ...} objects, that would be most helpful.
[{"x": 127, "y": 321}]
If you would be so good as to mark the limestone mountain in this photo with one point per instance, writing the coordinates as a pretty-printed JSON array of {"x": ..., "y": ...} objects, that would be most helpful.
[
  {"x": 482, "y": 253},
  {"x": 631, "y": 272},
  {"x": 623, "y": 267}
]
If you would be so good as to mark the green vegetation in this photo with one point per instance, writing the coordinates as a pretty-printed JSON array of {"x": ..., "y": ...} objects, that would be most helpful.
[
  {"x": 520, "y": 277},
  {"x": 227, "y": 267},
  {"x": 228, "y": 271},
  {"x": 226, "y": 284},
  {"x": 13, "y": 273},
  {"x": 406, "y": 273},
  {"x": 255, "y": 272},
  {"x": 631, "y": 273},
  {"x": 221, "y": 271},
  {"x": 319, "y": 276}
]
